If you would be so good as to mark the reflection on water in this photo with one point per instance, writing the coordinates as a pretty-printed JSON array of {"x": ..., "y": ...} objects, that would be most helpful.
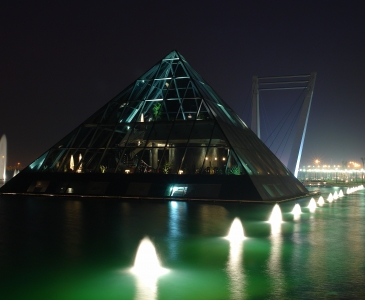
[
  {"x": 72, "y": 248},
  {"x": 274, "y": 264},
  {"x": 147, "y": 269},
  {"x": 211, "y": 218},
  {"x": 73, "y": 228},
  {"x": 146, "y": 289},
  {"x": 235, "y": 269},
  {"x": 177, "y": 215},
  {"x": 234, "y": 264}
]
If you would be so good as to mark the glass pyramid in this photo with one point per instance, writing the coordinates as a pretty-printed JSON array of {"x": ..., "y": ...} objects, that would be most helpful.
[{"x": 169, "y": 122}]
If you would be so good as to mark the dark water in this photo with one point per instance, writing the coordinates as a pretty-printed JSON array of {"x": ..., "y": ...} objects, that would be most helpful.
[{"x": 63, "y": 248}]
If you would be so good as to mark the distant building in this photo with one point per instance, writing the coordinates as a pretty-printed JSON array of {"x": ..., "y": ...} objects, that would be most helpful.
[{"x": 167, "y": 135}]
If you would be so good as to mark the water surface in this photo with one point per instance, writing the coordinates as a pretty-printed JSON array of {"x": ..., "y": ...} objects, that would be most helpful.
[{"x": 67, "y": 248}]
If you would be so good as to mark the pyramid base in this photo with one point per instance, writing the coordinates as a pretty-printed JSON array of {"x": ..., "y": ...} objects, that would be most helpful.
[{"x": 143, "y": 186}]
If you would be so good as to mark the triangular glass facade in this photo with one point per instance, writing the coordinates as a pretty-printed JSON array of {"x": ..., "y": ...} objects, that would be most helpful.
[{"x": 167, "y": 121}]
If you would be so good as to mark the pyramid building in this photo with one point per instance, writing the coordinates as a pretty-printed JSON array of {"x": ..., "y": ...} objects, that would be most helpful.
[{"x": 167, "y": 135}]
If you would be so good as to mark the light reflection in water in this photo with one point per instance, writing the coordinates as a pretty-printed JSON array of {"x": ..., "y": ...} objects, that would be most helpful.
[
  {"x": 147, "y": 269},
  {"x": 73, "y": 227},
  {"x": 234, "y": 264},
  {"x": 177, "y": 214},
  {"x": 275, "y": 260}
]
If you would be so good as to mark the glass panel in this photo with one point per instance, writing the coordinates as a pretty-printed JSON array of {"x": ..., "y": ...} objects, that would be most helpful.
[
  {"x": 193, "y": 160},
  {"x": 164, "y": 163},
  {"x": 201, "y": 133},
  {"x": 140, "y": 89},
  {"x": 180, "y": 133},
  {"x": 190, "y": 108},
  {"x": 36, "y": 165},
  {"x": 180, "y": 71},
  {"x": 234, "y": 167},
  {"x": 91, "y": 161},
  {"x": 172, "y": 107},
  {"x": 84, "y": 136},
  {"x": 101, "y": 137},
  {"x": 159, "y": 134},
  {"x": 128, "y": 112},
  {"x": 54, "y": 160},
  {"x": 108, "y": 163},
  {"x": 217, "y": 138},
  {"x": 66, "y": 141},
  {"x": 215, "y": 161}
]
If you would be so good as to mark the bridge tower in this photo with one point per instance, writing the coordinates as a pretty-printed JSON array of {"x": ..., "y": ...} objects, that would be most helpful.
[{"x": 305, "y": 82}]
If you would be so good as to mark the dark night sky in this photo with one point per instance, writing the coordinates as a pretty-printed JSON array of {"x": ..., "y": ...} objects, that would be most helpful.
[{"x": 61, "y": 61}]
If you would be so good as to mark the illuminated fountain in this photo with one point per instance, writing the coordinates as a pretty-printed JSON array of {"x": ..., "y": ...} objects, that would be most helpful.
[
  {"x": 147, "y": 269},
  {"x": 312, "y": 205},
  {"x": 296, "y": 212},
  {"x": 234, "y": 263},
  {"x": 330, "y": 198},
  {"x": 335, "y": 195},
  {"x": 320, "y": 201},
  {"x": 340, "y": 194},
  {"x": 236, "y": 231},
  {"x": 146, "y": 262},
  {"x": 276, "y": 219}
]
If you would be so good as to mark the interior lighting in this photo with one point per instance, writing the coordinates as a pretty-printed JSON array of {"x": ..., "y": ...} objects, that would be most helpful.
[
  {"x": 127, "y": 171},
  {"x": 181, "y": 171},
  {"x": 215, "y": 158},
  {"x": 223, "y": 158},
  {"x": 206, "y": 158}
]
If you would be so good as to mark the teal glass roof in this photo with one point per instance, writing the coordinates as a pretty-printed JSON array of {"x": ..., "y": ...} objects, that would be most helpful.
[{"x": 168, "y": 121}]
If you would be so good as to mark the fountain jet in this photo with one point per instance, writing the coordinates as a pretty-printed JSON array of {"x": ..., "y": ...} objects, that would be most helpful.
[
  {"x": 276, "y": 219},
  {"x": 312, "y": 205},
  {"x": 236, "y": 231},
  {"x": 296, "y": 212},
  {"x": 335, "y": 195},
  {"x": 146, "y": 263},
  {"x": 330, "y": 198},
  {"x": 320, "y": 201}
]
